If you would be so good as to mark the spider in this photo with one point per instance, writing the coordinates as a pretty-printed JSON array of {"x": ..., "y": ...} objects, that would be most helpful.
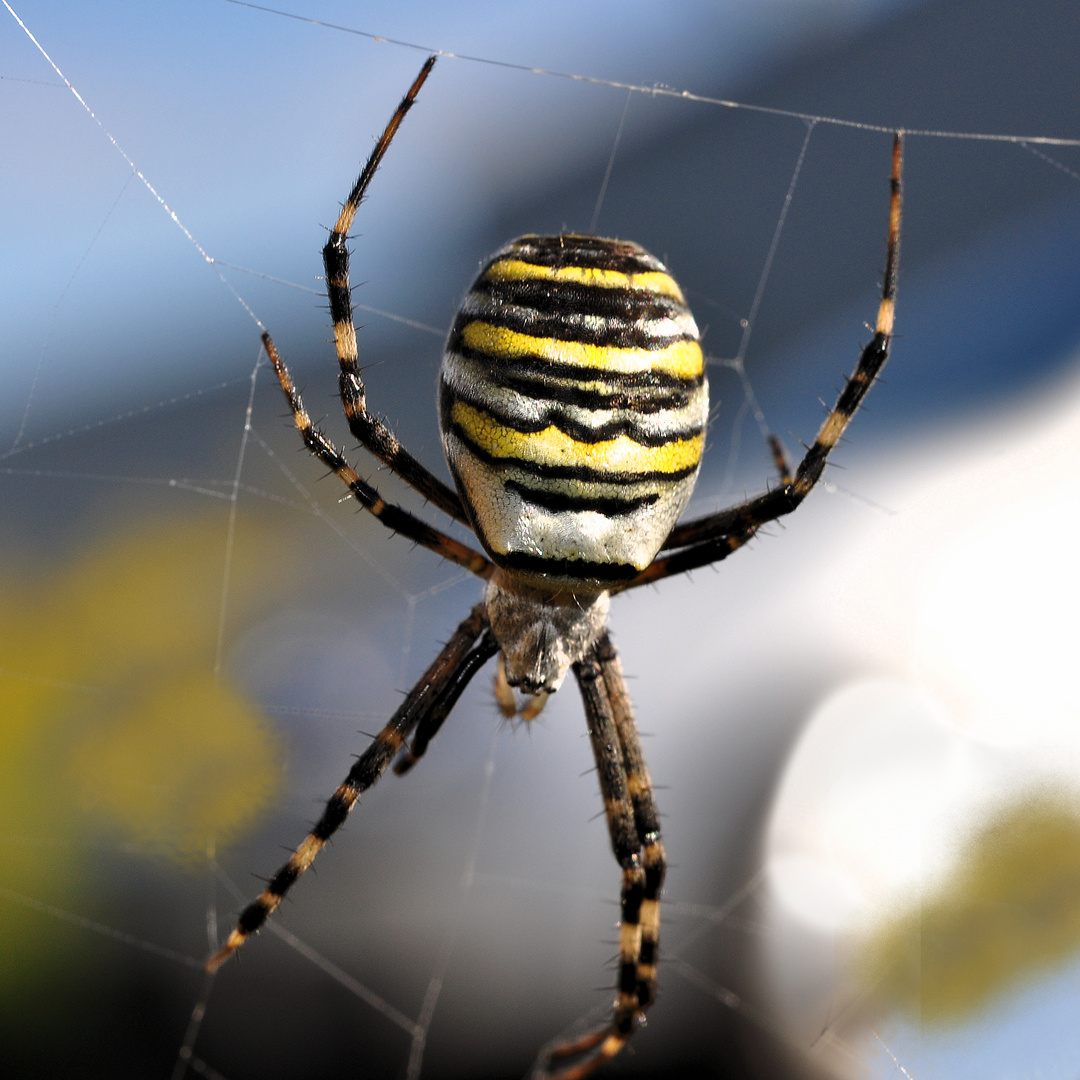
[{"x": 573, "y": 406}]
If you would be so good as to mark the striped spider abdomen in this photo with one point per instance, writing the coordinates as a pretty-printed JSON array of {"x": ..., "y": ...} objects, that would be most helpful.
[{"x": 573, "y": 404}]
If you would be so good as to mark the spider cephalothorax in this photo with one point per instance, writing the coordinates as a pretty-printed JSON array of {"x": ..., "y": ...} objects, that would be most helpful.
[
  {"x": 541, "y": 632},
  {"x": 573, "y": 405}
]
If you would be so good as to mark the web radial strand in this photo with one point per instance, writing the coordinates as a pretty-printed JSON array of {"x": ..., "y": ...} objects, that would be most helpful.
[
  {"x": 230, "y": 533},
  {"x": 610, "y": 165},
  {"x": 759, "y": 292}
]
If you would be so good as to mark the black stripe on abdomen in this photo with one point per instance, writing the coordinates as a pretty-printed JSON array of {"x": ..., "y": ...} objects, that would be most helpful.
[
  {"x": 614, "y": 333},
  {"x": 558, "y": 502},
  {"x": 590, "y": 252},
  {"x": 555, "y": 297}
]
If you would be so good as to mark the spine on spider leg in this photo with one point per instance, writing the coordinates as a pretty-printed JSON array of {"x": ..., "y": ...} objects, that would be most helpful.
[
  {"x": 873, "y": 356},
  {"x": 368, "y": 768}
]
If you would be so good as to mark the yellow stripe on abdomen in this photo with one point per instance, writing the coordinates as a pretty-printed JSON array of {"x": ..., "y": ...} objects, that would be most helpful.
[
  {"x": 554, "y": 448},
  {"x": 646, "y": 280},
  {"x": 682, "y": 358}
]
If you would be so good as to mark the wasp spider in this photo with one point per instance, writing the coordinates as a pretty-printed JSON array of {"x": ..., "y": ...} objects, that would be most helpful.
[{"x": 573, "y": 406}]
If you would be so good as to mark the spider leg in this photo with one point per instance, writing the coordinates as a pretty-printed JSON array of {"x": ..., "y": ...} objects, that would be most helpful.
[
  {"x": 433, "y": 718},
  {"x": 368, "y": 430},
  {"x": 438, "y": 689},
  {"x": 711, "y": 538},
  {"x": 628, "y": 804},
  {"x": 393, "y": 517},
  {"x": 646, "y": 817},
  {"x": 704, "y": 552}
]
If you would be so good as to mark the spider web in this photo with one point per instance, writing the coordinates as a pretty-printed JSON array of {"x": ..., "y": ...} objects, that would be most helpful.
[{"x": 409, "y": 603}]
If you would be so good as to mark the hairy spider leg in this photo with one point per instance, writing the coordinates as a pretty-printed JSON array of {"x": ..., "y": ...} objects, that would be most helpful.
[
  {"x": 438, "y": 689},
  {"x": 632, "y": 823},
  {"x": 393, "y": 517},
  {"x": 713, "y": 537},
  {"x": 646, "y": 817},
  {"x": 368, "y": 430},
  {"x": 433, "y": 719}
]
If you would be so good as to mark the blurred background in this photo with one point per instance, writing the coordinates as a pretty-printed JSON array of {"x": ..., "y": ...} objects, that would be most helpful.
[{"x": 864, "y": 728}]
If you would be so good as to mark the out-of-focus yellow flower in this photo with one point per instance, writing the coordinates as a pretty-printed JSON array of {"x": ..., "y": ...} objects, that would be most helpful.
[
  {"x": 112, "y": 721},
  {"x": 1009, "y": 912},
  {"x": 185, "y": 759}
]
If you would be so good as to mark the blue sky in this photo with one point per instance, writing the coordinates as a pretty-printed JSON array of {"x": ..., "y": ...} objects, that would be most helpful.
[{"x": 246, "y": 123}]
